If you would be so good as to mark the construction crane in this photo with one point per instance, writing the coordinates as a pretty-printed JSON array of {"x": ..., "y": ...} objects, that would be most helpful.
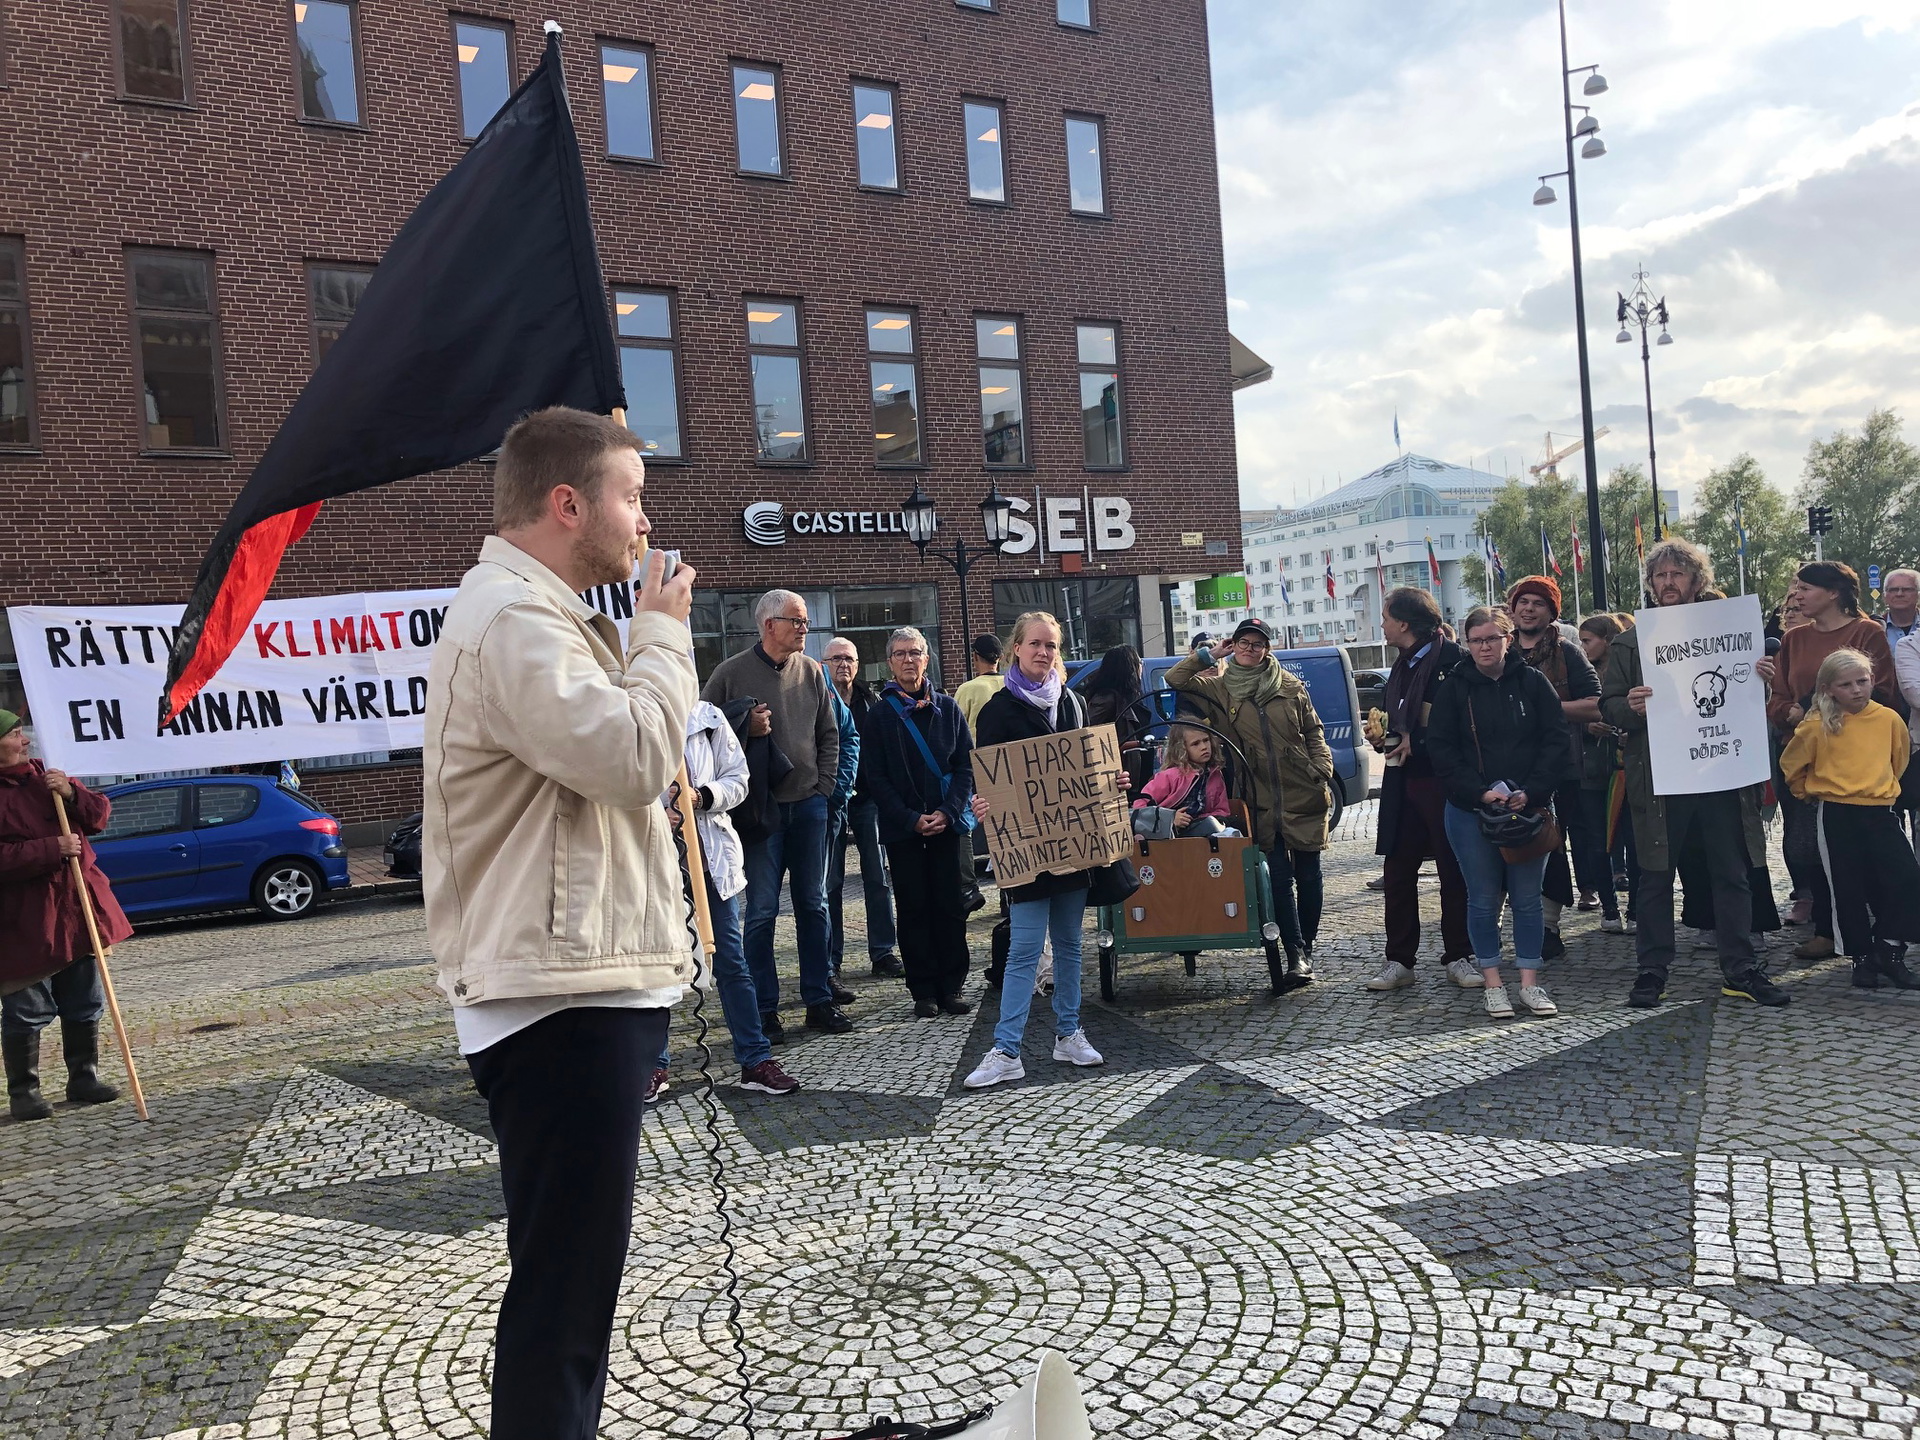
[{"x": 1551, "y": 465}]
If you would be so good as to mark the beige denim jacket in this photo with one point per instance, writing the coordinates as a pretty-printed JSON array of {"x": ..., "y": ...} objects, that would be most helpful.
[{"x": 549, "y": 867}]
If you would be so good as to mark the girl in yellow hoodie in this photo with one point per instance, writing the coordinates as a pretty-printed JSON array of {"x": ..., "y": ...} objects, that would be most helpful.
[{"x": 1847, "y": 757}]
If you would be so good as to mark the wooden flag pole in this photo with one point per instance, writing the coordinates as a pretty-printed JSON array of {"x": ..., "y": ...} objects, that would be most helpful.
[{"x": 100, "y": 959}]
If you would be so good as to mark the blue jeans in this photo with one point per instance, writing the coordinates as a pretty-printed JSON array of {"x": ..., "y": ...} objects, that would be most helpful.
[
  {"x": 1490, "y": 878},
  {"x": 1031, "y": 922},
  {"x": 739, "y": 1000},
  {"x": 797, "y": 850},
  {"x": 863, "y": 823},
  {"x": 72, "y": 993}
]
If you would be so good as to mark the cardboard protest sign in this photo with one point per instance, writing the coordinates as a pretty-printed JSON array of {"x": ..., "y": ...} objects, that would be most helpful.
[
  {"x": 1057, "y": 804},
  {"x": 1707, "y": 716}
]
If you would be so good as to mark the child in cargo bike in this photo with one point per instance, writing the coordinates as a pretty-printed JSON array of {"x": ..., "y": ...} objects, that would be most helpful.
[{"x": 1189, "y": 795}]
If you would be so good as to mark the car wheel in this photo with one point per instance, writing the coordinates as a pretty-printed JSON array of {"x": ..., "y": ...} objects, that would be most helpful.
[
  {"x": 1338, "y": 808},
  {"x": 286, "y": 889}
]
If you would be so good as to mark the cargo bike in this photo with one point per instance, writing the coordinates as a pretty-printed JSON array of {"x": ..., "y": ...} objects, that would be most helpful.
[{"x": 1196, "y": 894}]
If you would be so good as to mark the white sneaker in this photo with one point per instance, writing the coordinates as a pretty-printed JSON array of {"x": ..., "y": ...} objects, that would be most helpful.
[
  {"x": 1536, "y": 999},
  {"x": 1498, "y": 1005},
  {"x": 1465, "y": 974},
  {"x": 1075, "y": 1050},
  {"x": 1393, "y": 976},
  {"x": 996, "y": 1068},
  {"x": 1614, "y": 926}
]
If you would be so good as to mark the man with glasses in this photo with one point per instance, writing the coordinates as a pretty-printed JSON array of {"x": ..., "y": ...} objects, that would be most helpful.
[
  {"x": 796, "y": 710},
  {"x": 862, "y": 827}
]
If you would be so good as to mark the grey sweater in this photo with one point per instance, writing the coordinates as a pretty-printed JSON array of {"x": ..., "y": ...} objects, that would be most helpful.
[{"x": 803, "y": 723}]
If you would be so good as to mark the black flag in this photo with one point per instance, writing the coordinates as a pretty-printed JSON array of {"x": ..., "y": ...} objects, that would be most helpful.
[{"x": 488, "y": 304}]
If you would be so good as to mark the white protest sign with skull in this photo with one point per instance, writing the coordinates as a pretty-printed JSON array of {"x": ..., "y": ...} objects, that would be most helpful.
[{"x": 1707, "y": 716}]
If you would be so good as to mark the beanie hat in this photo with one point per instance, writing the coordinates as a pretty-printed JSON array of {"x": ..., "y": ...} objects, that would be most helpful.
[
  {"x": 1540, "y": 585},
  {"x": 9, "y": 722}
]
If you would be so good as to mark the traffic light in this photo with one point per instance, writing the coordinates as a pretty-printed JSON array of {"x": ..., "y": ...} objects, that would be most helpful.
[{"x": 1819, "y": 520}]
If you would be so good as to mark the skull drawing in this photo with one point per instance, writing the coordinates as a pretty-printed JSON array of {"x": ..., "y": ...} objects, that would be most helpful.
[{"x": 1709, "y": 693}]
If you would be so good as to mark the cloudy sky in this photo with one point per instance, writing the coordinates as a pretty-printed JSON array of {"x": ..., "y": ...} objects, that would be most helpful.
[{"x": 1377, "y": 161}]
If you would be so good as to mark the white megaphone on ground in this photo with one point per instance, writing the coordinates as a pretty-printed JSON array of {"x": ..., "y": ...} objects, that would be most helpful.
[{"x": 1047, "y": 1407}]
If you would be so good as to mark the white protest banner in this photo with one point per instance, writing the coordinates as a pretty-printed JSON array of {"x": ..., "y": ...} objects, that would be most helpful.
[
  {"x": 1707, "y": 716},
  {"x": 330, "y": 675},
  {"x": 1056, "y": 803}
]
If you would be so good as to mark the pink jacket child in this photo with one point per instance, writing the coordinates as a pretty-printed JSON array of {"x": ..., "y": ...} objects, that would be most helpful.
[{"x": 1176, "y": 779}]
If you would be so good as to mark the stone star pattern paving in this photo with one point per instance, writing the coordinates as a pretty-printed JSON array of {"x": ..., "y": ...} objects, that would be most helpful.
[{"x": 1336, "y": 1213}]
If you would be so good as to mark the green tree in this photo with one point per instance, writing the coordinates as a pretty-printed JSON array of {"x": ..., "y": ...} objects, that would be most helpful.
[
  {"x": 1624, "y": 498},
  {"x": 1872, "y": 482},
  {"x": 1776, "y": 537},
  {"x": 1518, "y": 513}
]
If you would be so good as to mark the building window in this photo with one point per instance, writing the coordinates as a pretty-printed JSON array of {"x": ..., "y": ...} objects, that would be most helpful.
[
  {"x": 756, "y": 120},
  {"x": 177, "y": 361},
  {"x": 722, "y": 623},
  {"x": 333, "y": 294},
  {"x": 1076, "y": 13},
  {"x": 1086, "y": 180},
  {"x": 626, "y": 87},
  {"x": 978, "y": 4},
  {"x": 779, "y": 400},
  {"x": 1099, "y": 347},
  {"x": 1095, "y": 614},
  {"x": 177, "y": 349},
  {"x": 650, "y": 370},
  {"x": 894, "y": 371},
  {"x": 1347, "y": 553},
  {"x": 876, "y": 136},
  {"x": 1003, "y": 431},
  {"x": 986, "y": 152},
  {"x": 1266, "y": 567},
  {"x": 326, "y": 36},
  {"x": 484, "y": 71},
  {"x": 152, "y": 37},
  {"x": 16, "y": 369}
]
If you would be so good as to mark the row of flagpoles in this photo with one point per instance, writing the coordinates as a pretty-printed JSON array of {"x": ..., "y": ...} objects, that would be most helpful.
[{"x": 1497, "y": 571}]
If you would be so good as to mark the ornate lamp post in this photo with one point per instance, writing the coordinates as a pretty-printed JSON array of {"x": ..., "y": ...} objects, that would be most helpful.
[
  {"x": 996, "y": 520},
  {"x": 1640, "y": 307}
]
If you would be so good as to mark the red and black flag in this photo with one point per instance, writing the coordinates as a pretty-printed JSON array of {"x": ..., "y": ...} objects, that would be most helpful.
[{"x": 488, "y": 304}]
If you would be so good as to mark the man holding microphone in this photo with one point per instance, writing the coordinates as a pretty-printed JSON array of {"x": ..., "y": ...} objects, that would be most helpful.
[{"x": 553, "y": 896}]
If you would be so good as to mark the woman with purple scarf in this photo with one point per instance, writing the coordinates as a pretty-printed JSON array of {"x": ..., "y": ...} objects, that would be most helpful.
[{"x": 1035, "y": 702}]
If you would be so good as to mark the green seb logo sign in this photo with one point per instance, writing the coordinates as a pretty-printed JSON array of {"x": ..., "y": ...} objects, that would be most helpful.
[{"x": 1222, "y": 592}]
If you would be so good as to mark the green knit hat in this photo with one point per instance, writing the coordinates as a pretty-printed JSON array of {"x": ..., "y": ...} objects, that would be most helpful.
[{"x": 9, "y": 722}]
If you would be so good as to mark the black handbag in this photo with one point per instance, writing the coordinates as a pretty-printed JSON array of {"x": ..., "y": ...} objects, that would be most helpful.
[{"x": 1112, "y": 884}]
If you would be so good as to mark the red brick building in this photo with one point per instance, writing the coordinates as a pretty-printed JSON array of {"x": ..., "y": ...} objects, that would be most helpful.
[{"x": 852, "y": 247}]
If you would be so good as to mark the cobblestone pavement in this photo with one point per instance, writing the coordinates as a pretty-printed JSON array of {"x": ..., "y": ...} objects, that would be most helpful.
[{"x": 1336, "y": 1213}]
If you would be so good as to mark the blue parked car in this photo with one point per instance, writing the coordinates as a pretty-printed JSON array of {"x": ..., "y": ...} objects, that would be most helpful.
[
  {"x": 1329, "y": 678},
  {"x": 219, "y": 842}
]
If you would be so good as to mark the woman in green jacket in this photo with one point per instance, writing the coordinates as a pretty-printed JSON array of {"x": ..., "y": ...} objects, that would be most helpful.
[{"x": 1267, "y": 711}]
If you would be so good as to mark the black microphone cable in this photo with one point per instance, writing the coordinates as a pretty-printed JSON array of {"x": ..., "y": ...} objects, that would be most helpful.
[{"x": 714, "y": 1146}]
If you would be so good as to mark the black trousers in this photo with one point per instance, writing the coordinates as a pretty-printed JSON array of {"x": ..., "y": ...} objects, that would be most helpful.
[
  {"x": 1712, "y": 822},
  {"x": 931, "y": 912},
  {"x": 1422, "y": 832},
  {"x": 564, "y": 1099},
  {"x": 1875, "y": 878}
]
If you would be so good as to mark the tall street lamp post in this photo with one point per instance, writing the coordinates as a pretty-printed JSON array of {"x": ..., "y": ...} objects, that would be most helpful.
[
  {"x": 1587, "y": 130},
  {"x": 996, "y": 519},
  {"x": 1640, "y": 307}
]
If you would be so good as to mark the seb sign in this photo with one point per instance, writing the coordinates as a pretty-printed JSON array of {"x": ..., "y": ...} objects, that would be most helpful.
[{"x": 1060, "y": 524}]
